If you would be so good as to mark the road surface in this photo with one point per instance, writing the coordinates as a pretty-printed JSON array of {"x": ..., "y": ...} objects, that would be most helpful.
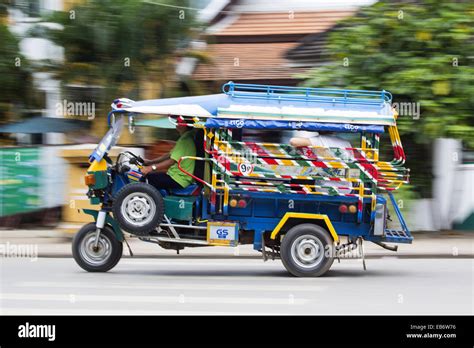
[{"x": 178, "y": 286}]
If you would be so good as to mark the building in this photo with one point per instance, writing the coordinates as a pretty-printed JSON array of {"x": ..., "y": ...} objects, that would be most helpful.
[
  {"x": 263, "y": 41},
  {"x": 23, "y": 16}
]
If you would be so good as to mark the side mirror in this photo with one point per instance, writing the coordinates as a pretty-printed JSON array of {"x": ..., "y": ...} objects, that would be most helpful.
[
  {"x": 111, "y": 119},
  {"x": 131, "y": 124}
]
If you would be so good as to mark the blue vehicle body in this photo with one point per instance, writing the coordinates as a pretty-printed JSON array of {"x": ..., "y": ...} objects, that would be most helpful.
[{"x": 265, "y": 202}]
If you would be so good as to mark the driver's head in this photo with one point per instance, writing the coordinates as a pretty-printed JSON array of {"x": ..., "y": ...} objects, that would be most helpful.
[
  {"x": 181, "y": 125},
  {"x": 181, "y": 129}
]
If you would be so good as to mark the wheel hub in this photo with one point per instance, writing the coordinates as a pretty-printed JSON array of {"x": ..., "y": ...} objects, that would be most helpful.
[
  {"x": 138, "y": 208},
  {"x": 307, "y": 251},
  {"x": 95, "y": 255}
]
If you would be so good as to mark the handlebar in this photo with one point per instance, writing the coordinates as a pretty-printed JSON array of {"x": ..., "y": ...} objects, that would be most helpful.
[{"x": 135, "y": 159}]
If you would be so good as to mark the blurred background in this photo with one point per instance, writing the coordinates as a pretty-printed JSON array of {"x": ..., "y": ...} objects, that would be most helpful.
[{"x": 62, "y": 62}]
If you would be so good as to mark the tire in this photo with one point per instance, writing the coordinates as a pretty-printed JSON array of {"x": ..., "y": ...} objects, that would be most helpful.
[
  {"x": 138, "y": 208},
  {"x": 307, "y": 250},
  {"x": 102, "y": 260}
]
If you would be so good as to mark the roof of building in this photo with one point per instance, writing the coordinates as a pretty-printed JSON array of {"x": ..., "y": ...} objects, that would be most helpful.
[
  {"x": 247, "y": 61},
  {"x": 310, "y": 51},
  {"x": 280, "y": 23},
  {"x": 251, "y": 40}
]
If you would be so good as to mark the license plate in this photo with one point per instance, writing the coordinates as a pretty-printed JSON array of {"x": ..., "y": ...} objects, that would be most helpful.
[{"x": 222, "y": 233}]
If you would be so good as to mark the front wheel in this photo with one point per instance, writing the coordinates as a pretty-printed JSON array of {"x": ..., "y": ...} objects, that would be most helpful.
[
  {"x": 96, "y": 259},
  {"x": 307, "y": 251}
]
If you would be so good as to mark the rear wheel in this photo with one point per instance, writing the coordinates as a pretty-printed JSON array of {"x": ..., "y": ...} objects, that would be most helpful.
[
  {"x": 307, "y": 250},
  {"x": 96, "y": 259},
  {"x": 138, "y": 208}
]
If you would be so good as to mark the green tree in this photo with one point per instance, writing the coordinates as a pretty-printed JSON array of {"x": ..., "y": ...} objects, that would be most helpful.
[
  {"x": 421, "y": 52},
  {"x": 120, "y": 44},
  {"x": 16, "y": 85}
]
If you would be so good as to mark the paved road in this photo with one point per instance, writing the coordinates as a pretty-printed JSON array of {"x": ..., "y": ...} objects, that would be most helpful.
[{"x": 236, "y": 286}]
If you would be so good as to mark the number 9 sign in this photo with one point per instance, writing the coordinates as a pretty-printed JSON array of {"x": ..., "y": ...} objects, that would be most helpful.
[{"x": 245, "y": 168}]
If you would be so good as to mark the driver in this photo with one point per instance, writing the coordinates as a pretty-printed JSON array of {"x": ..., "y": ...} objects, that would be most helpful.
[{"x": 163, "y": 172}]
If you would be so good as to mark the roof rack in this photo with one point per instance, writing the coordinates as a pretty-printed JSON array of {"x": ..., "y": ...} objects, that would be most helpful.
[{"x": 306, "y": 94}]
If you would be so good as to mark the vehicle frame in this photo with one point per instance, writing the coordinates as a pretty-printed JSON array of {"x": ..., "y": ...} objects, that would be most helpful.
[{"x": 247, "y": 193}]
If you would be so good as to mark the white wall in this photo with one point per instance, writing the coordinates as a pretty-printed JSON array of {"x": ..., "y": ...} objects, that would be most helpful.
[
  {"x": 453, "y": 191},
  {"x": 446, "y": 158},
  {"x": 53, "y": 178},
  {"x": 462, "y": 203},
  {"x": 37, "y": 50}
]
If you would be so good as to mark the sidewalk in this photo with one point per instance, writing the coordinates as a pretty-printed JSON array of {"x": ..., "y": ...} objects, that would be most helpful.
[{"x": 54, "y": 243}]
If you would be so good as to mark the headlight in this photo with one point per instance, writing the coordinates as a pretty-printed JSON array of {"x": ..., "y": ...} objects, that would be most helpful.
[{"x": 89, "y": 179}]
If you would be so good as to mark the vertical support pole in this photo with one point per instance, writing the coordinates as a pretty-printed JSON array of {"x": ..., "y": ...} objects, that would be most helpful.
[
  {"x": 360, "y": 203},
  {"x": 372, "y": 206},
  {"x": 213, "y": 198},
  {"x": 363, "y": 141},
  {"x": 376, "y": 146},
  {"x": 372, "y": 153},
  {"x": 228, "y": 152},
  {"x": 397, "y": 145},
  {"x": 363, "y": 145}
]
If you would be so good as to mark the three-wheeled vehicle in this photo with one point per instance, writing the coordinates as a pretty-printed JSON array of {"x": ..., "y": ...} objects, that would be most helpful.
[{"x": 304, "y": 204}]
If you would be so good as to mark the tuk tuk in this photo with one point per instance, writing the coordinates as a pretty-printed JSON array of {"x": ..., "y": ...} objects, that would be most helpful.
[{"x": 306, "y": 205}]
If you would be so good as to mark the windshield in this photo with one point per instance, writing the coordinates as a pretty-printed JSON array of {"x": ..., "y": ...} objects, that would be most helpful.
[{"x": 108, "y": 141}]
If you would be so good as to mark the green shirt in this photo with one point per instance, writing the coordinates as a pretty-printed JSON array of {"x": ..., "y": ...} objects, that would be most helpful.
[{"x": 184, "y": 147}]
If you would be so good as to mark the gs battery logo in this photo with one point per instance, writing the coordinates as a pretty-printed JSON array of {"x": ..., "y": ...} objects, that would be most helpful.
[{"x": 222, "y": 233}]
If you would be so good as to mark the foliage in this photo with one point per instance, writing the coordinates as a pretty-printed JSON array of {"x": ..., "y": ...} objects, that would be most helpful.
[
  {"x": 421, "y": 52},
  {"x": 16, "y": 82},
  {"x": 119, "y": 43}
]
